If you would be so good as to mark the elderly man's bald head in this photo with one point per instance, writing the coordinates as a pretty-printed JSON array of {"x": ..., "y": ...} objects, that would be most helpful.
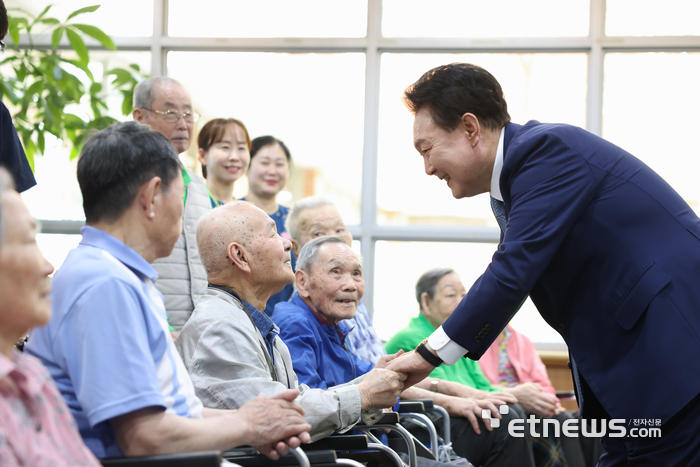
[
  {"x": 239, "y": 237},
  {"x": 219, "y": 228}
]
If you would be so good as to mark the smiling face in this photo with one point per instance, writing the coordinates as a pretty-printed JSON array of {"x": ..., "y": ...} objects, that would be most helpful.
[
  {"x": 320, "y": 222},
  {"x": 24, "y": 272},
  {"x": 335, "y": 285},
  {"x": 449, "y": 291},
  {"x": 453, "y": 156},
  {"x": 268, "y": 171},
  {"x": 227, "y": 160}
]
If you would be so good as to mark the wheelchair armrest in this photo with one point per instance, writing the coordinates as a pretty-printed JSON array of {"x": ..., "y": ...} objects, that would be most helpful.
[
  {"x": 415, "y": 405},
  {"x": 316, "y": 458},
  {"x": 388, "y": 418},
  {"x": 339, "y": 443},
  {"x": 188, "y": 459}
]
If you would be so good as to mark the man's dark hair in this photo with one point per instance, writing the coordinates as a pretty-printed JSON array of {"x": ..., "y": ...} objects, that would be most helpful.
[
  {"x": 116, "y": 162},
  {"x": 262, "y": 141},
  {"x": 4, "y": 22},
  {"x": 427, "y": 283},
  {"x": 452, "y": 90}
]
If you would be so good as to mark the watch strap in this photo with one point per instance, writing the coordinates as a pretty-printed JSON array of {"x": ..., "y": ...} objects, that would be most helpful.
[{"x": 428, "y": 355}]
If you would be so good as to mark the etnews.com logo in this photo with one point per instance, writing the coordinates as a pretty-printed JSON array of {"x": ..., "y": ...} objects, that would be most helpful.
[{"x": 615, "y": 428}]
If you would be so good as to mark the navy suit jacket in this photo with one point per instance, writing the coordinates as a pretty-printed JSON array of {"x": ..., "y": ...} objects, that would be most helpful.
[{"x": 610, "y": 255}]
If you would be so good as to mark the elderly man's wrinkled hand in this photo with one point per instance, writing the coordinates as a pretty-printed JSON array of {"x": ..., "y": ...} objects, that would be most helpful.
[
  {"x": 381, "y": 388},
  {"x": 415, "y": 366},
  {"x": 274, "y": 424},
  {"x": 385, "y": 359}
]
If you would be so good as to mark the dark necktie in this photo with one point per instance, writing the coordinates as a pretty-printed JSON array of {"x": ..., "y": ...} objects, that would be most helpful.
[{"x": 499, "y": 210}]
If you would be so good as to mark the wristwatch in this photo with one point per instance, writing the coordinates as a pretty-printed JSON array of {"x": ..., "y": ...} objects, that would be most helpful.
[{"x": 429, "y": 357}]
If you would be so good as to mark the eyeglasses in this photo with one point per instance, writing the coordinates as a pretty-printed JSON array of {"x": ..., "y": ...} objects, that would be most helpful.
[
  {"x": 173, "y": 116},
  {"x": 2, "y": 46}
]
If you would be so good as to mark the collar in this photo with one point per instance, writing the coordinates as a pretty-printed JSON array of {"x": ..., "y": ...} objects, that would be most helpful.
[
  {"x": 498, "y": 168},
  {"x": 263, "y": 322},
  {"x": 100, "y": 239},
  {"x": 342, "y": 329}
]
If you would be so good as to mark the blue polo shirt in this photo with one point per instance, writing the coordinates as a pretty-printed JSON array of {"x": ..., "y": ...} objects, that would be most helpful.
[{"x": 107, "y": 345}]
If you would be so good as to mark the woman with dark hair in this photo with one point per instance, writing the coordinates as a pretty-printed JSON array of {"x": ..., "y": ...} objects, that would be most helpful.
[
  {"x": 224, "y": 151},
  {"x": 267, "y": 174}
]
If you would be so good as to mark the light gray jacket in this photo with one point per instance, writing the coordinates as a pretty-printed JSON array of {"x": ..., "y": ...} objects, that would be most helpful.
[
  {"x": 228, "y": 361},
  {"x": 181, "y": 276}
]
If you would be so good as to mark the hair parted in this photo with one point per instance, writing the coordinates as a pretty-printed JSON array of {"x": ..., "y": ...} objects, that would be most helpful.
[
  {"x": 262, "y": 141},
  {"x": 450, "y": 91},
  {"x": 214, "y": 131},
  {"x": 116, "y": 162},
  {"x": 427, "y": 283}
]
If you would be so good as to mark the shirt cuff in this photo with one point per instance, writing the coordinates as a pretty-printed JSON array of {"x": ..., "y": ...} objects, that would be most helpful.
[{"x": 447, "y": 349}]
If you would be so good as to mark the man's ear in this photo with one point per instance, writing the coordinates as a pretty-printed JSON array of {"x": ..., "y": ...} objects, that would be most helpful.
[
  {"x": 295, "y": 248},
  {"x": 139, "y": 115},
  {"x": 239, "y": 256},
  {"x": 470, "y": 125},
  {"x": 425, "y": 303},
  {"x": 302, "y": 282},
  {"x": 148, "y": 195}
]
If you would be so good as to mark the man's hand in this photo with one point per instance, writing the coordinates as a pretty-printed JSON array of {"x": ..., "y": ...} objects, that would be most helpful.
[
  {"x": 498, "y": 397},
  {"x": 380, "y": 388},
  {"x": 274, "y": 424},
  {"x": 385, "y": 359},
  {"x": 415, "y": 366},
  {"x": 533, "y": 399}
]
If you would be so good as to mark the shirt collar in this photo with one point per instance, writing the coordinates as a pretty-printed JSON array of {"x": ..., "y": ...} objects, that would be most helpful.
[
  {"x": 100, "y": 239},
  {"x": 498, "y": 168},
  {"x": 264, "y": 323}
]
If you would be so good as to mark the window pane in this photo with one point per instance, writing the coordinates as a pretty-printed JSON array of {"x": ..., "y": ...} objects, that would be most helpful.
[
  {"x": 55, "y": 247},
  {"x": 545, "y": 87},
  {"x": 268, "y": 18},
  {"x": 650, "y": 18},
  {"x": 312, "y": 102},
  {"x": 650, "y": 109},
  {"x": 57, "y": 194},
  {"x": 474, "y": 18},
  {"x": 128, "y": 18},
  {"x": 398, "y": 266}
]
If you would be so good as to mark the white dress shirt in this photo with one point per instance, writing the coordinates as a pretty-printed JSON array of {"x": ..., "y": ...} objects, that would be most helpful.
[{"x": 447, "y": 349}]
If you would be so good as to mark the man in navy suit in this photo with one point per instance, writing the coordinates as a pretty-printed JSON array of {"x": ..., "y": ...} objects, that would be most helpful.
[{"x": 606, "y": 249}]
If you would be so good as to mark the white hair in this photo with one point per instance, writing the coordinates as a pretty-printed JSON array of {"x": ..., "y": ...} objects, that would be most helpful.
[
  {"x": 308, "y": 256},
  {"x": 292, "y": 222},
  {"x": 144, "y": 93}
]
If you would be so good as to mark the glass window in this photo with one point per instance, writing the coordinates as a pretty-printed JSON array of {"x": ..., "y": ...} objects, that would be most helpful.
[
  {"x": 650, "y": 18},
  {"x": 474, "y": 18},
  {"x": 312, "y": 102},
  {"x": 57, "y": 194},
  {"x": 126, "y": 18},
  {"x": 268, "y": 18},
  {"x": 545, "y": 87},
  {"x": 55, "y": 247},
  {"x": 398, "y": 266},
  {"x": 650, "y": 106}
]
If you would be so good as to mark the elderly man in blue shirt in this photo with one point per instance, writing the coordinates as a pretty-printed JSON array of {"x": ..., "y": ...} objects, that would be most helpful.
[{"x": 107, "y": 345}]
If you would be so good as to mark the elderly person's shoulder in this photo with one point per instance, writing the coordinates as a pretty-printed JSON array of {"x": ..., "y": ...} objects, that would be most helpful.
[
  {"x": 294, "y": 313},
  {"x": 216, "y": 310}
]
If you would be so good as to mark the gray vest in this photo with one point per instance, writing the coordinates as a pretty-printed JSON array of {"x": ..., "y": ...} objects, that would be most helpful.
[{"x": 181, "y": 277}]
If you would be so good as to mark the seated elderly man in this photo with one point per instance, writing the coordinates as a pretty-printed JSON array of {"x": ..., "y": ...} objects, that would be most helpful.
[
  {"x": 107, "y": 345},
  {"x": 232, "y": 349},
  {"x": 329, "y": 287}
]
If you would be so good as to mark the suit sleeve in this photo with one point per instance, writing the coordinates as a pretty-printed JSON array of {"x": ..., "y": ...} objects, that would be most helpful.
[{"x": 547, "y": 186}]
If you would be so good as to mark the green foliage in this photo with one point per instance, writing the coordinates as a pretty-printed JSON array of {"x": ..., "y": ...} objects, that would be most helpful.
[{"x": 48, "y": 85}]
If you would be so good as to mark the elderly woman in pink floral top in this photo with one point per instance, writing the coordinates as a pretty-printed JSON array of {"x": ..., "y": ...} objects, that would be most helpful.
[{"x": 36, "y": 427}]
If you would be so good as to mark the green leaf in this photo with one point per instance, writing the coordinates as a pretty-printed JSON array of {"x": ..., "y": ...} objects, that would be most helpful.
[
  {"x": 87, "y": 9},
  {"x": 57, "y": 73},
  {"x": 96, "y": 33},
  {"x": 135, "y": 67},
  {"x": 95, "y": 88},
  {"x": 128, "y": 103},
  {"x": 15, "y": 28},
  {"x": 80, "y": 65},
  {"x": 41, "y": 142},
  {"x": 78, "y": 45},
  {"x": 49, "y": 21},
  {"x": 29, "y": 148},
  {"x": 41, "y": 15},
  {"x": 56, "y": 37}
]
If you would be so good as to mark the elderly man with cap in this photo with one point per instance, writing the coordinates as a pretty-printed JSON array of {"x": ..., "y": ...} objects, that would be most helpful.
[{"x": 232, "y": 349}]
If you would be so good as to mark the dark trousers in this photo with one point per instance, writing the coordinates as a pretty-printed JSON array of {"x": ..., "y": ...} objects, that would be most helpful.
[
  {"x": 678, "y": 445},
  {"x": 494, "y": 448}
]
